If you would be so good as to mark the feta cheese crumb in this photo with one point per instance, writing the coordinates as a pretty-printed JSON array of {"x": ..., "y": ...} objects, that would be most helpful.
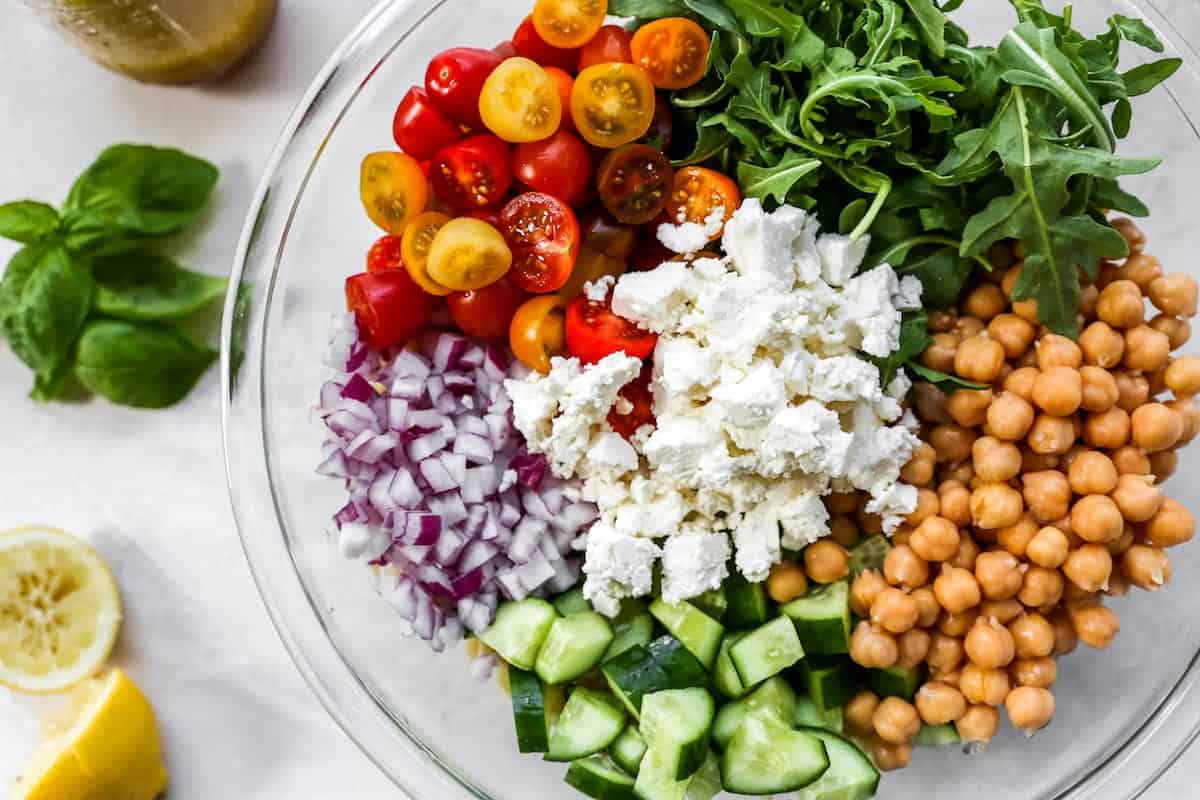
[
  {"x": 597, "y": 291},
  {"x": 687, "y": 238},
  {"x": 694, "y": 562}
]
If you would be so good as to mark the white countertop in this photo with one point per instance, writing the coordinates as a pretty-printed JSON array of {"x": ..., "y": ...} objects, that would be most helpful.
[{"x": 149, "y": 488}]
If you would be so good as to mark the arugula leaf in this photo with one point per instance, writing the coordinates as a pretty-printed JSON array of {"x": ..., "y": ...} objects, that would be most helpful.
[
  {"x": 1146, "y": 78},
  {"x": 914, "y": 338},
  {"x": 932, "y": 23},
  {"x": 1131, "y": 30},
  {"x": 711, "y": 141},
  {"x": 714, "y": 12},
  {"x": 54, "y": 301},
  {"x": 777, "y": 181},
  {"x": 947, "y": 383},
  {"x": 140, "y": 364},
  {"x": 142, "y": 286},
  {"x": 762, "y": 19},
  {"x": 26, "y": 221},
  {"x": 1107, "y": 194},
  {"x": 646, "y": 9}
]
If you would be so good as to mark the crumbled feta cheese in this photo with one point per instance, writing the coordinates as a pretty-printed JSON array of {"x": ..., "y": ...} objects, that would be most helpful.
[
  {"x": 597, "y": 291},
  {"x": 617, "y": 565},
  {"x": 611, "y": 451},
  {"x": 908, "y": 296},
  {"x": 841, "y": 257},
  {"x": 694, "y": 562}
]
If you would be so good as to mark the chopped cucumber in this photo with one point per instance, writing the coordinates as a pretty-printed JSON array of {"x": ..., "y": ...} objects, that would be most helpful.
[
  {"x": 822, "y": 619},
  {"x": 895, "y": 681},
  {"x": 725, "y": 725},
  {"x": 677, "y": 723},
  {"x": 746, "y": 602},
  {"x": 663, "y": 664},
  {"x": 851, "y": 775},
  {"x": 519, "y": 630},
  {"x": 937, "y": 736},
  {"x": 713, "y": 602},
  {"x": 868, "y": 554},
  {"x": 599, "y": 777},
  {"x": 700, "y": 633},
  {"x": 636, "y": 631},
  {"x": 766, "y": 651},
  {"x": 725, "y": 676},
  {"x": 831, "y": 680},
  {"x": 656, "y": 779},
  {"x": 589, "y": 724},
  {"x": 529, "y": 711},
  {"x": 768, "y": 757},
  {"x": 571, "y": 602},
  {"x": 808, "y": 715},
  {"x": 573, "y": 647},
  {"x": 706, "y": 783},
  {"x": 775, "y": 699},
  {"x": 628, "y": 750}
]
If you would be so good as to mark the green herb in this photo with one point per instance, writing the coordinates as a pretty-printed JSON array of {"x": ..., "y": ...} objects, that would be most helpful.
[{"x": 79, "y": 298}]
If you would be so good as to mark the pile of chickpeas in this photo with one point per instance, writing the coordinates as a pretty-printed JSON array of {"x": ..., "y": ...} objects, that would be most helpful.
[{"x": 1039, "y": 497}]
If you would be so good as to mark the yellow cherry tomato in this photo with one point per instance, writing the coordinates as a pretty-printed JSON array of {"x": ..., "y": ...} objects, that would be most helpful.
[
  {"x": 612, "y": 104},
  {"x": 520, "y": 102},
  {"x": 539, "y": 331},
  {"x": 569, "y": 23},
  {"x": 414, "y": 250},
  {"x": 468, "y": 254},
  {"x": 394, "y": 190}
]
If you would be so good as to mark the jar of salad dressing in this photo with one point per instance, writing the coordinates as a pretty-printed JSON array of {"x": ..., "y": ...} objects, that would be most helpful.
[{"x": 163, "y": 41}]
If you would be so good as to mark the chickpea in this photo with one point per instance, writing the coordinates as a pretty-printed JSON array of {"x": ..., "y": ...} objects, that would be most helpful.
[
  {"x": 869, "y": 523},
  {"x": 956, "y": 590},
  {"x": 903, "y": 567},
  {"x": 1030, "y": 708},
  {"x": 1099, "y": 389},
  {"x": 930, "y": 403},
  {"x": 1051, "y": 435},
  {"x": 1101, "y": 345},
  {"x": 1009, "y": 282},
  {"x": 1095, "y": 625},
  {"x": 999, "y": 574},
  {"x": 1014, "y": 334},
  {"x": 1137, "y": 497},
  {"x": 1179, "y": 331},
  {"x": 1065, "y": 638},
  {"x": 844, "y": 531},
  {"x": 1130, "y": 460},
  {"x": 826, "y": 561},
  {"x": 945, "y": 652},
  {"x": 939, "y": 704},
  {"x": 1120, "y": 305},
  {"x": 873, "y": 647},
  {"x": 967, "y": 327},
  {"x": 1156, "y": 427},
  {"x": 1146, "y": 567},
  {"x": 859, "y": 712},
  {"x": 896, "y": 720},
  {"x": 1027, "y": 309},
  {"x": 1096, "y": 518},
  {"x": 1174, "y": 295},
  {"x": 1146, "y": 349},
  {"x": 1020, "y": 382},
  {"x": 990, "y": 645},
  {"x": 1132, "y": 234},
  {"x": 1033, "y": 636},
  {"x": 786, "y": 582},
  {"x": 955, "y": 503},
  {"x": 1041, "y": 587},
  {"x": 966, "y": 554},
  {"x": 936, "y": 539},
  {"x": 1107, "y": 274},
  {"x": 969, "y": 407},
  {"x": 941, "y": 352},
  {"x": 1118, "y": 585},
  {"x": 890, "y": 757},
  {"x": 1058, "y": 351},
  {"x": 914, "y": 647},
  {"x": 1003, "y": 611},
  {"x": 1036, "y": 462},
  {"x": 1133, "y": 390},
  {"x": 1075, "y": 596},
  {"x": 981, "y": 685},
  {"x": 985, "y": 302},
  {"x": 962, "y": 472},
  {"x": 1039, "y": 672},
  {"x": 1172, "y": 525},
  {"x": 1142, "y": 269},
  {"x": 1088, "y": 298},
  {"x": 1108, "y": 430},
  {"x": 1092, "y": 472},
  {"x": 1163, "y": 465},
  {"x": 1049, "y": 548},
  {"x": 1010, "y": 416},
  {"x": 845, "y": 502},
  {"x": 1047, "y": 494},
  {"x": 928, "y": 505},
  {"x": 948, "y": 678},
  {"x": 1089, "y": 567},
  {"x": 952, "y": 443},
  {"x": 865, "y": 589},
  {"x": 1189, "y": 411},
  {"x": 996, "y": 505},
  {"x": 894, "y": 611},
  {"x": 957, "y": 624},
  {"x": 978, "y": 725},
  {"x": 1058, "y": 391},
  {"x": 1122, "y": 542},
  {"x": 979, "y": 359},
  {"x": 919, "y": 470},
  {"x": 1016, "y": 538},
  {"x": 1183, "y": 376}
]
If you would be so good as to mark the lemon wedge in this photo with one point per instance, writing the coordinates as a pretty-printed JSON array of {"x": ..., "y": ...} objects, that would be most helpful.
[
  {"x": 59, "y": 610},
  {"x": 103, "y": 746}
]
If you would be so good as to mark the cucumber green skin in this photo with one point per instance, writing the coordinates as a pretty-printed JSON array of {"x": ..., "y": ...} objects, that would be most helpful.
[
  {"x": 598, "y": 777},
  {"x": 868, "y": 554},
  {"x": 636, "y": 631},
  {"x": 746, "y": 602},
  {"x": 698, "y": 631},
  {"x": 656, "y": 781},
  {"x": 663, "y": 664},
  {"x": 725, "y": 676},
  {"x": 766, "y": 651},
  {"x": 706, "y": 783},
  {"x": 851, "y": 775},
  {"x": 714, "y": 603},
  {"x": 571, "y": 602},
  {"x": 767, "y": 757},
  {"x": 831, "y": 680},
  {"x": 628, "y": 750},
  {"x": 529, "y": 711},
  {"x": 809, "y": 716},
  {"x": 775, "y": 698},
  {"x": 519, "y": 631},
  {"x": 822, "y": 619},
  {"x": 899, "y": 682},
  {"x": 589, "y": 724},
  {"x": 677, "y": 722},
  {"x": 937, "y": 736},
  {"x": 573, "y": 647}
]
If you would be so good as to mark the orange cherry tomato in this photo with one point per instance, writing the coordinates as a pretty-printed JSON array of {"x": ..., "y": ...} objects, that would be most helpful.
[
  {"x": 569, "y": 23},
  {"x": 635, "y": 181},
  {"x": 385, "y": 254},
  {"x": 594, "y": 332},
  {"x": 414, "y": 250},
  {"x": 610, "y": 44},
  {"x": 538, "y": 331},
  {"x": 591, "y": 266},
  {"x": 393, "y": 190},
  {"x": 612, "y": 104},
  {"x": 389, "y": 307},
  {"x": 639, "y": 396},
  {"x": 674, "y": 52},
  {"x": 520, "y": 102},
  {"x": 565, "y": 84},
  {"x": 698, "y": 192},
  {"x": 468, "y": 254},
  {"x": 486, "y": 313},
  {"x": 543, "y": 233}
]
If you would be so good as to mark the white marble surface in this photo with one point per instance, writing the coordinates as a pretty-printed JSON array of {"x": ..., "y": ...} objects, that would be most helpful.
[{"x": 148, "y": 488}]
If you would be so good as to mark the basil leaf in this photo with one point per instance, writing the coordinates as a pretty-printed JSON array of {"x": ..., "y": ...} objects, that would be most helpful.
[
  {"x": 54, "y": 301},
  {"x": 26, "y": 221},
  {"x": 1144, "y": 79},
  {"x": 17, "y": 274},
  {"x": 136, "y": 192},
  {"x": 142, "y": 286},
  {"x": 140, "y": 364},
  {"x": 778, "y": 181}
]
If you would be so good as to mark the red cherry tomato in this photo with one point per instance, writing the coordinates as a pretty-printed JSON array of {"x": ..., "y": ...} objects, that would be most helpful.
[
  {"x": 594, "y": 332},
  {"x": 385, "y": 254},
  {"x": 610, "y": 44},
  {"x": 662, "y": 129},
  {"x": 531, "y": 45},
  {"x": 560, "y": 165},
  {"x": 389, "y": 306},
  {"x": 489, "y": 215},
  {"x": 455, "y": 79},
  {"x": 486, "y": 313},
  {"x": 565, "y": 84},
  {"x": 420, "y": 127},
  {"x": 474, "y": 173},
  {"x": 505, "y": 49},
  {"x": 604, "y": 234},
  {"x": 638, "y": 395},
  {"x": 543, "y": 234},
  {"x": 651, "y": 253}
]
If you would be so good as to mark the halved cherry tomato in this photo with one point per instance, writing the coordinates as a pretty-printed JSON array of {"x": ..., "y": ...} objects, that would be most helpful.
[
  {"x": 538, "y": 332},
  {"x": 565, "y": 84},
  {"x": 486, "y": 313},
  {"x": 569, "y": 23},
  {"x": 543, "y": 233},
  {"x": 698, "y": 192},
  {"x": 662, "y": 129},
  {"x": 610, "y": 44},
  {"x": 418, "y": 238},
  {"x": 506, "y": 49},
  {"x": 604, "y": 234},
  {"x": 489, "y": 215},
  {"x": 673, "y": 51},
  {"x": 531, "y": 45},
  {"x": 651, "y": 254},
  {"x": 468, "y": 254},
  {"x": 455, "y": 78},
  {"x": 390, "y": 308},
  {"x": 474, "y": 173},
  {"x": 560, "y": 165},
  {"x": 393, "y": 189},
  {"x": 385, "y": 254},
  {"x": 638, "y": 395},
  {"x": 520, "y": 102},
  {"x": 635, "y": 183},
  {"x": 591, "y": 266},
  {"x": 612, "y": 104},
  {"x": 594, "y": 332},
  {"x": 420, "y": 127}
]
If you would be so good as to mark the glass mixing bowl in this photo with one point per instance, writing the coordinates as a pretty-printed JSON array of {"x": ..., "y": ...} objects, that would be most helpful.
[{"x": 1123, "y": 716}]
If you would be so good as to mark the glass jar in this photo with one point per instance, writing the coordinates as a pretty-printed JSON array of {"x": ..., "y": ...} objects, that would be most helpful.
[{"x": 163, "y": 41}]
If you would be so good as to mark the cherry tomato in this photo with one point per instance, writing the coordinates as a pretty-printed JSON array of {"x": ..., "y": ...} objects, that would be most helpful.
[
  {"x": 594, "y": 332},
  {"x": 520, "y": 102},
  {"x": 565, "y": 84},
  {"x": 468, "y": 254},
  {"x": 486, "y": 313},
  {"x": 385, "y": 254},
  {"x": 638, "y": 395},
  {"x": 605, "y": 235},
  {"x": 610, "y": 44},
  {"x": 455, "y": 78},
  {"x": 489, "y": 215},
  {"x": 698, "y": 192},
  {"x": 390, "y": 308},
  {"x": 506, "y": 49},
  {"x": 650, "y": 254},
  {"x": 543, "y": 233},
  {"x": 538, "y": 332},
  {"x": 420, "y": 128},
  {"x": 393, "y": 189},
  {"x": 473, "y": 173},
  {"x": 662, "y": 128},
  {"x": 591, "y": 266},
  {"x": 418, "y": 238},
  {"x": 673, "y": 51},
  {"x": 612, "y": 104},
  {"x": 531, "y": 45},
  {"x": 569, "y": 23},
  {"x": 635, "y": 183},
  {"x": 560, "y": 165}
]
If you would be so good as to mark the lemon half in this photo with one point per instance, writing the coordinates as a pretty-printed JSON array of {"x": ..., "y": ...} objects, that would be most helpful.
[{"x": 59, "y": 610}]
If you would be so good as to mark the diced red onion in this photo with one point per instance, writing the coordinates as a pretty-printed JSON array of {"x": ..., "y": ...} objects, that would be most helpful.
[
  {"x": 536, "y": 572},
  {"x": 456, "y": 465},
  {"x": 379, "y": 495},
  {"x": 477, "y": 449},
  {"x": 422, "y": 529},
  {"x": 437, "y": 476},
  {"x": 407, "y": 387},
  {"x": 404, "y": 491},
  {"x": 526, "y": 536},
  {"x": 423, "y": 447},
  {"x": 368, "y": 447},
  {"x": 415, "y": 554},
  {"x": 459, "y": 384},
  {"x": 450, "y": 506},
  {"x": 476, "y": 554},
  {"x": 411, "y": 365},
  {"x": 397, "y": 410},
  {"x": 449, "y": 547},
  {"x": 334, "y": 466},
  {"x": 425, "y": 420},
  {"x": 448, "y": 351},
  {"x": 531, "y": 469},
  {"x": 468, "y": 584},
  {"x": 472, "y": 357},
  {"x": 348, "y": 513},
  {"x": 357, "y": 388},
  {"x": 535, "y": 506}
]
